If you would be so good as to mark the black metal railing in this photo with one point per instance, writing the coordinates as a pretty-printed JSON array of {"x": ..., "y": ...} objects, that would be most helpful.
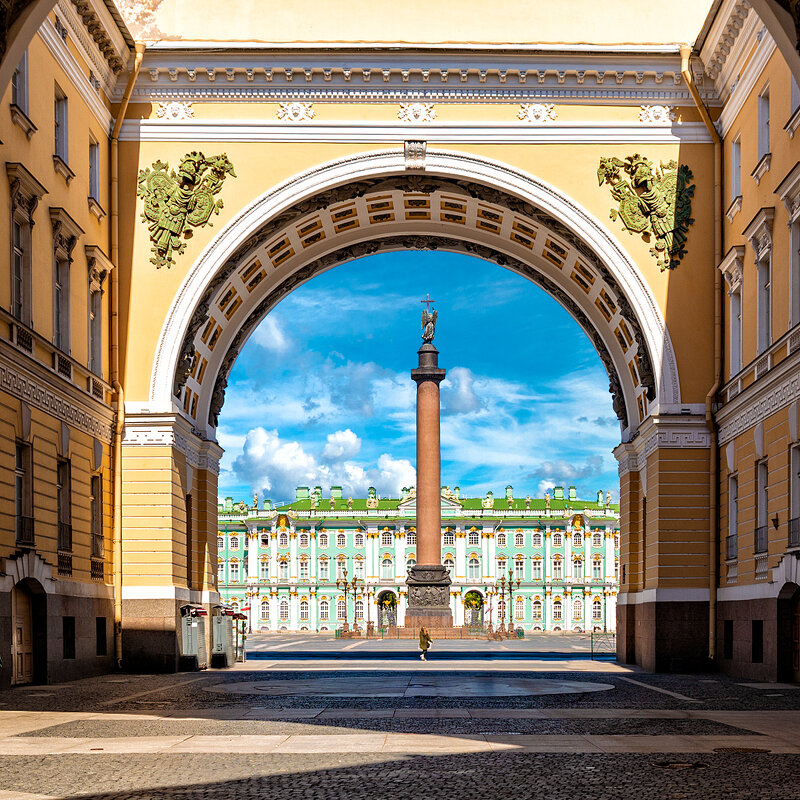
[
  {"x": 98, "y": 569},
  {"x": 794, "y": 532},
  {"x": 65, "y": 563},
  {"x": 731, "y": 547},
  {"x": 25, "y": 536},
  {"x": 760, "y": 544}
]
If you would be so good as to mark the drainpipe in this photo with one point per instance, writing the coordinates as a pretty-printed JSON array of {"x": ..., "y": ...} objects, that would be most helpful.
[
  {"x": 119, "y": 393},
  {"x": 713, "y": 457}
]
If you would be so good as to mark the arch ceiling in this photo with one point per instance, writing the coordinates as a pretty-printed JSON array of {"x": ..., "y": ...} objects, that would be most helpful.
[{"x": 373, "y": 203}]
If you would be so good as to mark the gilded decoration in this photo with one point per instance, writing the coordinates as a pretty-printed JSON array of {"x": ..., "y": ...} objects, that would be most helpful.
[
  {"x": 655, "y": 202},
  {"x": 174, "y": 201}
]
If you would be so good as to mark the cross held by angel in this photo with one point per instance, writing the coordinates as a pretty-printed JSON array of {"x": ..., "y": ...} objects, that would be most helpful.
[{"x": 428, "y": 320}]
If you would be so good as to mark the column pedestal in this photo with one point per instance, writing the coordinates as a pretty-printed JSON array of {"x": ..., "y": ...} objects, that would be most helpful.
[{"x": 429, "y": 597}]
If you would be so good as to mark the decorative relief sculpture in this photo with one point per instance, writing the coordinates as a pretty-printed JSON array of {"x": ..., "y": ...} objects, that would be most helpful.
[
  {"x": 295, "y": 112},
  {"x": 655, "y": 202},
  {"x": 536, "y": 113},
  {"x": 175, "y": 111},
  {"x": 416, "y": 112},
  {"x": 656, "y": 115},
  {"x": 173, "y": 202}
]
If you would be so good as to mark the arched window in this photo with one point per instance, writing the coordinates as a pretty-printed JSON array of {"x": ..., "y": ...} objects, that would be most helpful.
[
  {"x": 265, "y": 540},
  {"x": 387, "y": 569},
  {"x": 577, "y": 540},
  {"x": 358, "y": 568},
  {"x": 577, "y": 608},
  {"x": 304, "y": 570},
  {"x": 283, "y": 571},
  {"x": 220, "y": 542},
  {"x": 340, "y": 608},
  {"x": 387, "y": 538},
  {"x": 323, "y": 540},
  {"x": 449, "y": 537},
  {"x": 341, "y": 566},
  {"x": 558, "y": 569},
  {"x": 359, "y": 540},
  {"x": 359, "y": 609},
  {"x": 411, "y": 562},
  {"x": 303, "y": 540},
  {"x": 597, "y": 609},
  {"x": 235, "y": 605},
  {"x": 557, "y": 540},
  {"x": 284, "y": 609},
  {"x": 234, "y": 542},
  {"x": 474, "y": 569},
  {"x": 519, "y": 608},
  {"x": 304, "y": 610},
  {"x": 501, "y": 540},
  {"x": 283, "y": 540},
  {"x": 341, "y": 540},
  {"x": 450, "y": 566},
  {"x": 324, "y": 573},
  {"x": 557, "y": 611},
  {"x": 577, "y": 569},
  {"x": 519, "y": 568},
  {"x": 474, "y": 538},
  {"x": 597, "y": 539},
  {"x": 324, "y": 609},
  {"x": 502, "y": 566},
  {"x": 265, "y": 609},
  {"x": 537, "y": 540},
  {"x": 234, "y": 571},
  {"x": 537, "y": 609},
  {"x": 597, "y": 570},
  {"x": 411, "y": 537},
  {"x": 519, "y": 540},
  {"x": 536, "y": 570},
  {"x": 263, "y": 570}
]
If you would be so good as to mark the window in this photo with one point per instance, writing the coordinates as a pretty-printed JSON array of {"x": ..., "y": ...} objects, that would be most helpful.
[
  {"x": 263, "y": 570},
  {"x": 558, "y": 570},
  {"x": 597, "y": 570},
  {"x": 794, "y": 498},
  {"x": 536, "y": 570},
  {"x": 519, "y": 569},
  {"x": 519, "y": 608},
  {"x": 597, "y": 539},
  {"x": 324, "y": 574},
  {"x": 763, "y": 123},
  {"x": 577, "y": 608},
  {"x": 324, "y": 609},
  {"x": 234, "y": 543},
  {"x": 68, "y": 636},
  {"x": 764, "y": 308},
  {"x": 234, "y": 571},
  {"x": 340, "y": 608},
  {"x": 411, "y": 562},
  {"x": 387, "y": 569},
  {"x": 474, "y": 538},
  {"x": 304, "y": 610},
  {"x": 283, "y": 570},
  {"x": 189, "y": 540},
  {"x": 303, "y": 539},
  {"x": 411, "y": 538},
  {"x": 557, "y": 611},
  {"x": 387, "y": 538},
  {"x": 100, "y": 638},
  {"x": 265, "y": 609},
  {"x": 557, "y": 540},
  {"x": 284, "y": 609},
  {"x": 502, "y": 566},
  {"x": 26, "y": 192},
  {"x": 359, "y": 540},
  {"x": 474, "y": 569},
  {"x": 519, "y": 540},
  {"x": 577, "y": 570},
  {"x": 501, "y": 610},
  {"x": 731, "y": 545},
  {"x": 449, "y": 537},
  {"x": 794, "y": 272},
  {"x": 264, "y": 540},
  {"x": 20, "y": 279},
  {"x": 220, "y": 543},
  {"x": 221, "y": 572},
  {"x": 597, "y": 609},
  {"x": 359, "y": 609},
  {"x": 304, "y": 570},
  {"x": 450, "y": 566},
  {"x": 323, "y": 540},
  {"x": 736, "y": 168},
  {"x": 94, "y": 169},
  {"x": 616, "y": 541},
  {"x": 19, "y": 85},
  {"x": 536, "y": 609},
  {"x": 64, "y": 504},
  {"x": 536, "y": 540},
  {"x": 283, "y": 540},
  {"x": 341, "y": 540},
  {"x": 577, "y": 540},
  {"x": 61, "y": 140},
  {"x": 762, "y": 506},
  {"x": 96, "y": 513},
  {"x": 341, "y": 567},
  {"x": 501, "y": 540},
  {"x": 358, "y": 567}
]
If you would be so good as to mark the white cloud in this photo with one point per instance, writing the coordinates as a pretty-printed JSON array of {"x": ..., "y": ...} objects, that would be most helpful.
[
  {"x": 458, "y": 392},
  {"x": 341, "y": 445},
  {"x": 270, "y": 335}
]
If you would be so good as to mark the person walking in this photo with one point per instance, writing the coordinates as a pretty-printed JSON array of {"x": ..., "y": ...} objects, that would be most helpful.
[{"x": 424, "y": 642}]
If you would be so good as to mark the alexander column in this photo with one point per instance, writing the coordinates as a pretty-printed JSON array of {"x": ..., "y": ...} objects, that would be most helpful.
[{"x": 428, "y": 581}]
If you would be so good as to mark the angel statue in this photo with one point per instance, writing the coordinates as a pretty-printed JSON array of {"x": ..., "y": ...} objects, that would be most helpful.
[{"x": 428, "y": 320}]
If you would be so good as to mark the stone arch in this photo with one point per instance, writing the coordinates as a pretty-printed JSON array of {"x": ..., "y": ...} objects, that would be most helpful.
[{"x": 367, "y": 203}]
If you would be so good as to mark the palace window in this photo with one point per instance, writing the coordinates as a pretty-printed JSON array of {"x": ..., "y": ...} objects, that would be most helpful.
[
  {"x": 263, "y": 570},
  {"x": 735, "y": 304},
  {"x": 20, "y": 242},
  {"x": 94, "y": 169},
  {"x": 519, "y": 540},
  {"x": 411, "y": 562},
  {"x": 763, "y": 123},
  {"x": 558, "y": 570},
  {"x": 303, "y": 540},
  {"x": 557, "y": 540},
  {"x": 359, "y": 540},
  {"x": 359, "y": 609},
  {"x": 61, "y": 133},
  {"x": 283, "y": 540},
  {"x": 450, "y": 566},
  {"x": 537, "y": 610},
  {"x": 764, "y": 299},
  {"x": 304, "y": 610},
  {"x": 304, "y": 570},
  {"x": 474, "y": 570},
  {"x": 411, "y": 537},
  {"x": 64, "y": 504},
  {"x": 762, "y": 506},
  {"x": 519, "y": 569},
  {"x": 234, "y": 571},
  {"x": 501, "y": 540},
  {"x": 577, "y": 608},
  {"x": 502, "y": 566},
  {"x": 341, "y": 540},
  {"x": 283, "y": 570},
  {"x": 597, "y": 539},
  {"x": 474, "y": 538},
  {"x": 387, "y": 538},
  {"x": 323, "y": 540},
  {"x": 519, "y": 608},
  {"x": 284, "y": 609},
  {"x": 794, "y": 497},
  {"x": 616, "y": 541},
  {"x": 597, "y": 609},
  {"x": 221, "y": 572},
  {"x": 220, "y": 542},
  {"x": 557, "y": 611},
  {"x": 340, "y": 608},
  {"x": 731, "y": 545},
  {"x": 577, "y": 570},
  {"x": 536, "y": 540},
  {"x": 449, "y": 537},
  {"x": 736, "y": 169},
  {"x": 597, "y": 570},
  {"x": 324, "y": 609},
  {"x": 26, "y": 192},
  {"x": 387, "y": 569},
  {"x": 264, "y": 540},
  {"x": 265, "y": 609},
  {"x": 577, "y": 540},
  {"x": 341, "y": 566},
  {"x": 324, "y": 573},
  {"x": 19, "y": 85},
  {"x": 536, "y": 570},
  {"x": 95, "y": 360},
  {"x": 96, "y": 513},
  {"x": 501, "y": 609},
  {"x": 358, "y": 568},
  {"x": 234, "y": 543}
]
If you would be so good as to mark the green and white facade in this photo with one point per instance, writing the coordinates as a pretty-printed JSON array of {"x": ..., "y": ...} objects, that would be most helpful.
[{"x": 280, "y": 564}]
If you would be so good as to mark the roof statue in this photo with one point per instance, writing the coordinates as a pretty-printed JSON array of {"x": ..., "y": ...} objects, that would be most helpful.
[{"x": 428, "y": 321}]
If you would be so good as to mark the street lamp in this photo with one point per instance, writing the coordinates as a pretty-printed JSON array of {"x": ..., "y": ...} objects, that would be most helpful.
[
  {"x": 347, "y": 586},
  {"x": 508, "y": 585}
]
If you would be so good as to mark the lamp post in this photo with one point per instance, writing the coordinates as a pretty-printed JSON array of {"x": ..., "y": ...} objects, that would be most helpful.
[
  {"x": 508, "y": 584},
  {"x": 347, "y": 586}
]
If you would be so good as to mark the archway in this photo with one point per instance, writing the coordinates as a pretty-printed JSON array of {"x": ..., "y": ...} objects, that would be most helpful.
[
  {"x": 473, "y": 609},
  {"x": 387, "y": 609}
]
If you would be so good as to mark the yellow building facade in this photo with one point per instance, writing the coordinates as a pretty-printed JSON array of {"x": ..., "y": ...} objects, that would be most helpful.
[{"x": 239, "y": 158}]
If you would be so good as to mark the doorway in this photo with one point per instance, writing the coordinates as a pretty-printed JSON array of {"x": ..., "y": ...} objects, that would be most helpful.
[
  {"x": 473, "y": 609},
  {"x": 22, "y": 635}
]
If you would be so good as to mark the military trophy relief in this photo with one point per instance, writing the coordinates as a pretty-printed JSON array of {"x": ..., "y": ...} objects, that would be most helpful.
[
  {"x": 174, "y": 203},
  {"x": 655, "y": 202}
]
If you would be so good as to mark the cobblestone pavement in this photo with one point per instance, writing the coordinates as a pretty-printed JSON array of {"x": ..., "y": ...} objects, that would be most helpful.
[{"x": 171, "y": 737}]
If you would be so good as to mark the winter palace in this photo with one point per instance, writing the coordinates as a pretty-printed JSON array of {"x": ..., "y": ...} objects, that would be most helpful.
[{"x": 279, "y": 565}]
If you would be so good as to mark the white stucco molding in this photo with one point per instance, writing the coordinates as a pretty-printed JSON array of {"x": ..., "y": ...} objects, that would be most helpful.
[
  {"x": 454, "y": 165},
  {"x": 732, "y": 267}
]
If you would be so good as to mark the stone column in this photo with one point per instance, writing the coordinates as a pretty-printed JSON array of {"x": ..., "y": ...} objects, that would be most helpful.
[{"x": 428, "y": 582}]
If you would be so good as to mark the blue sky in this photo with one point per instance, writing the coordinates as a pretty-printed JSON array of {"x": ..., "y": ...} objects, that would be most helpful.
[{"x": 321, "y": 394}]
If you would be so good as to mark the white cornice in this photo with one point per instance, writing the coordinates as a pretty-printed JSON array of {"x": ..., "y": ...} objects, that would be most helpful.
[
  {"x": 789, "y": 192},
  {"x": 90, "y": 51},
  {"x": 391, "y": 133},
  {"x": 732, "y": 267},
  {"x": 759, "y": 232},
  {"x": 55, "y": 44}
]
